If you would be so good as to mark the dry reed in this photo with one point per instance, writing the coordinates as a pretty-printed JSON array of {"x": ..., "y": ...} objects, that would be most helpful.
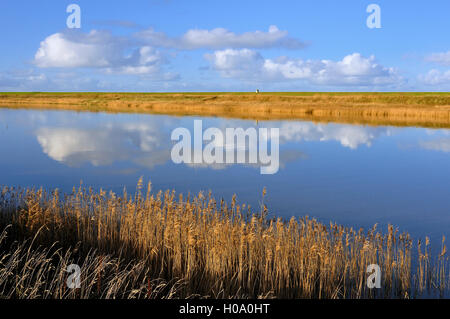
[
  {"x": 400, "y": 109},
  {"x": 161, "y": 246}
]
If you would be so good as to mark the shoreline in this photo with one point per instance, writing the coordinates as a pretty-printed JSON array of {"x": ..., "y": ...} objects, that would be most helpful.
[{"x": 395, "y": 109}]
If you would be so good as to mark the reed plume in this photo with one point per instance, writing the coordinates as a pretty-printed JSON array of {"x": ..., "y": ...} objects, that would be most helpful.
[{"x": 159, "y": 245}]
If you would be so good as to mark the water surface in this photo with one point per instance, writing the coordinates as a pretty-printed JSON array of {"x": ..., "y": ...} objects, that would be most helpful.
[{"x": 354, "y": 175}]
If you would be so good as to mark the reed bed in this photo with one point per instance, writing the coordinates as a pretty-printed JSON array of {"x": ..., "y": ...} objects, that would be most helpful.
[
  {"x": 159, "y": 245},
  {"x": 397, "y": 108}
]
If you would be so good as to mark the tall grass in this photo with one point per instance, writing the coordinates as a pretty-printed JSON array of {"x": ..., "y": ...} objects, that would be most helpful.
[
  {"x": 396, "y": 108},
  {"x": 161, "y": 245}
]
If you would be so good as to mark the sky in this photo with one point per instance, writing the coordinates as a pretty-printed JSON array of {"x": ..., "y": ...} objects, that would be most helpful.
[{"x": 215, "y": 46}]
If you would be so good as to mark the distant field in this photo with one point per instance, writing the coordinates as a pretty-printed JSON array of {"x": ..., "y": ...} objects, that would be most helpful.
[{"x": 404, "y": 109}]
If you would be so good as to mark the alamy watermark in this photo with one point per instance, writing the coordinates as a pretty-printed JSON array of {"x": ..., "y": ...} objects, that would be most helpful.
[
  {"x": 74, "y": 19},
  {"x": 374, "y": 279},
  {"x": 374, "y": 19},
  {"x": 74, "y": 279},
  {"x": 235, "y": 145}
]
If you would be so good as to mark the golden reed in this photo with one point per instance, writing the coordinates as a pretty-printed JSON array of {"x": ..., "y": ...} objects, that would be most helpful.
[
  {"x": 166, "y": 246},
  {"x": 430, "y": 109}
]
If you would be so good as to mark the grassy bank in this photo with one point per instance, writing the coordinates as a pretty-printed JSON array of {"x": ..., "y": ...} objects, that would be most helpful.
[
  {"x": 401, "y": 109},
  {"x": 160, "y": 245}
]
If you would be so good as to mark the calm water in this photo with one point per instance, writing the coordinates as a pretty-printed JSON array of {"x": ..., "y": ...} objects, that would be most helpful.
[{"x": 352, "y": 174}]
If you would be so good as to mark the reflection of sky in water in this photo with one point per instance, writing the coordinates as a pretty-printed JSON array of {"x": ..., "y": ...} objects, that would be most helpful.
[
  {"x": 351, "y": 174},
  {"x": 105, "y": 144},
  {"x": 148, "y": 143}
]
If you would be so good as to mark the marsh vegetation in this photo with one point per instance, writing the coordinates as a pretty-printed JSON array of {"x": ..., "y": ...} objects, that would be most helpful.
[
  {"x": 163, "y": 245},
  {"x": 400, "y": 109}
]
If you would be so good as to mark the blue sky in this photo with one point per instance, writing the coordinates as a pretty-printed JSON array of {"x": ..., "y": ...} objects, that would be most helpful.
[{"x": 169, "y": 45}]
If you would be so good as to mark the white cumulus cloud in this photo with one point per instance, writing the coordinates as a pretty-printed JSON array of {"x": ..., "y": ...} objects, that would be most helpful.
[
  {"x": 232, "y": 63},
  {"x": 353, "y": 69},
  {"x": 97, "y": 49},
  {"x": 220, "y": 38}
]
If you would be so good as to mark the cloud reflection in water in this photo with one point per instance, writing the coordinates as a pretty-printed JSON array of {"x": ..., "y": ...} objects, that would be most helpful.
[{"x": 148, "y": 144}]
